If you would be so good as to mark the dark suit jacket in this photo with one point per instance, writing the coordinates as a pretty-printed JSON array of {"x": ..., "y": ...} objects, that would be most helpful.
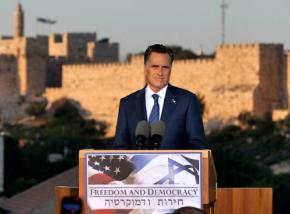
[{"x": 181, "y": 114}]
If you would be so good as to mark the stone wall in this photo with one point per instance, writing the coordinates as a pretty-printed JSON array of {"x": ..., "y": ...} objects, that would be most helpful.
[
  {"x": 36, "y": 74},
  {"x": 239, "y": 78},
  {"x": 268, "y": 94},
  {"x": 54, "y": 71},
  {"x": 103, "y": 52},
  {"x": 10, "y": 46},
  {"x": 77, "y": 45},
  {"x": 57, "y": 45},
  {"x": 31, "y": 54},
  {"x": 8, "y": 88},
  {"x": 26, "y": 68},
  {"x": 287, "y": 77},
  {"x": 99, "y": 87},
  {"x": 32, "y": 62},
  {"x": 70, "y": 45},
  {"x": 285, "y": 86}
]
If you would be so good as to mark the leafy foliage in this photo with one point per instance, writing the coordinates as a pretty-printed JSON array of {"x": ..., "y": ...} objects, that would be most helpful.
[
  {"x": 243, "y": 153},
  {"x": 243, "y": 156},
  {"x": 65, "y": 133},
  {"x": 180, "y": 53},
  {"x": 247, "y": 119},
  {"x": 36, "y": 108},
  {"x": 19, "y": 185}
]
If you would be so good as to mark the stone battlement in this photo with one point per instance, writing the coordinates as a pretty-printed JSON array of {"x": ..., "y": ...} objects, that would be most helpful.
[
  {"x": 242, "y": 45},
  {"x": 194, "y": 61},
  {"x": 132, "y": 62},
  {"x": 253, "y": 84},
  {"x": 86, "y": 66}
]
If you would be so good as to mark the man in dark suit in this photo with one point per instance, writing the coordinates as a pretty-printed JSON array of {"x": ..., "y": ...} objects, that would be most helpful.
[{"x": 178, "y": 108}]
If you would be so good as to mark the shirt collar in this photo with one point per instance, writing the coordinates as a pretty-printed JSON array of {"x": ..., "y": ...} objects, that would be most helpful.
[{"x": 161, "y": 93}]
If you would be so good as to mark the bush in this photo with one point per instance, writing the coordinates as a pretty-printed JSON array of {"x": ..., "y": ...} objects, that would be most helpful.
[
  {"x": 247, "y": 119},
  {"x": 19, "y": 185},
  {"x": 67, "y": 111},
  {"x": 36, "y": 108}
]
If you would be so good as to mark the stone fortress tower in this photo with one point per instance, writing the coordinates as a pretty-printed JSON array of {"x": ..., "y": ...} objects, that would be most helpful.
[
  {"x": 22, "y": 68},
  {"x": 18, "y": 22},
  {"x": 28, "y": 65}
]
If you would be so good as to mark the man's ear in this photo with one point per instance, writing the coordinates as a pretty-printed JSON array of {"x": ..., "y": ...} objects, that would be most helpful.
[{"x": 144, "y": 73}]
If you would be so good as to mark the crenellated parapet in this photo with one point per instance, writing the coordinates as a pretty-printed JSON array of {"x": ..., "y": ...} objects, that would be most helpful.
[
  {"x": 136, "y": 59},
  {"x": 224, "y": 52},
  {"x": 243, "y": 77},
  {"x": 85, "y": 66},
  {"x": 237, "y": 45},
  {"x": 194, "y": 61}
]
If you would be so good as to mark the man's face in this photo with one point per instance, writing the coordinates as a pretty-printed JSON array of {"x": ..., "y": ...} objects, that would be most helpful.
[{"x": 157, "y": 71}]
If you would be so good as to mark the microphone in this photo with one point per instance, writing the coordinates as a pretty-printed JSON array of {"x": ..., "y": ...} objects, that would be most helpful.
[
  {"x": 157, "y": 133},
  {"x": 141, "y": 133}
]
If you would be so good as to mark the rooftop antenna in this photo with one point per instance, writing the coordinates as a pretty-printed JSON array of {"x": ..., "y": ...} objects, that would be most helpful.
[{"x": 224, "y": 6}]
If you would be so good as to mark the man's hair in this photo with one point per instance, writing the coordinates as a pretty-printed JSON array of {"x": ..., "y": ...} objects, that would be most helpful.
[
  {"x": 189, "y": 210},
  {"x": 158, "y": 48}
]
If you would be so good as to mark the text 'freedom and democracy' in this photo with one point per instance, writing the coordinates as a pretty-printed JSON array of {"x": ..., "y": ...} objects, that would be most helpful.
[{"x": 144, "y": 192}]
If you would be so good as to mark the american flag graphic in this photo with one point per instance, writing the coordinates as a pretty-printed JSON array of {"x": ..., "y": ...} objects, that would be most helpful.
[{"x": 109, "y": 168}]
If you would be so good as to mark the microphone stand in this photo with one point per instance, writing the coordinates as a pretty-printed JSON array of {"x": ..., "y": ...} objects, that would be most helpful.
[
  {"x": 156, "y": 139},
  {"x": 140, "y": 142}
]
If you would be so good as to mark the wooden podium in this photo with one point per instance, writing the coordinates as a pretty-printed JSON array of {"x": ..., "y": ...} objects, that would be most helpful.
[{"x": 209, "y": 177}]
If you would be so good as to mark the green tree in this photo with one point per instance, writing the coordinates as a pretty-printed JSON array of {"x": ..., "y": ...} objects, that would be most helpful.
[
  {"x": 65, "y": 132},
  {"x": 36, "y": 108},
  {"x": 247, "y": 119},
  {"x": 181, "y": 53},
  {"x": 19, "y": 185}
]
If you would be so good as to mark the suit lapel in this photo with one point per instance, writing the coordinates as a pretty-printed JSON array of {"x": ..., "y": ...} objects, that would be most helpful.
[
  {"x": 140, "y": 106},
  {"x": 169, "y": 104}
]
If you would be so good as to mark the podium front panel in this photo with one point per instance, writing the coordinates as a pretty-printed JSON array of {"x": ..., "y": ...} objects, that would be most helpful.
[{"x": 140, "y": 180}]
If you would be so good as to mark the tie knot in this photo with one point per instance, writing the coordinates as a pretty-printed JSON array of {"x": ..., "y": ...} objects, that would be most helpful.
[{"x": 155, "y": 97}]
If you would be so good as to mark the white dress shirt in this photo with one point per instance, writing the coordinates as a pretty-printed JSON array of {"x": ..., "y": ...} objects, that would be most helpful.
[{"x": 149, "y": 100}]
